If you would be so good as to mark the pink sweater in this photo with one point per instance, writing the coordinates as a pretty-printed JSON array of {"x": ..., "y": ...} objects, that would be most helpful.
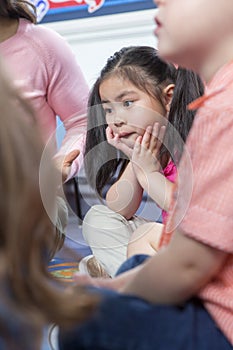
[{"x": 45, "y": 68}]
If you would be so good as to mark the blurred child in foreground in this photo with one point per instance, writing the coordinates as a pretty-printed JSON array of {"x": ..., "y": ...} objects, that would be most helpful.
[{"x": 30, "y": 296}]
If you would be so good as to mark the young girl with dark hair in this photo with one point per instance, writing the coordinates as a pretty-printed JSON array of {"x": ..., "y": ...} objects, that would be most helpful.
[{"x": 131, "y": 103}]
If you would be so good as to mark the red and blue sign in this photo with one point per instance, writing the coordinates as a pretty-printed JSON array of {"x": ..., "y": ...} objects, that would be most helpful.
[{"x": 58, "y": 10}]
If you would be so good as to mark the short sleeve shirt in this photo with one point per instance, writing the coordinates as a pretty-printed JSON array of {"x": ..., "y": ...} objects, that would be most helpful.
[{"x": 203, "y": 200}]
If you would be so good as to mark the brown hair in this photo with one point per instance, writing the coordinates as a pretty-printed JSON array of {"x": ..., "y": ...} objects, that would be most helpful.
[
  {"x": 26, "y": 231},
  {"x": 18, "y": 9}
]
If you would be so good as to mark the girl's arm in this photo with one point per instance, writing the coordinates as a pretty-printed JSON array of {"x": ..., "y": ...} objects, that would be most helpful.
[
  {"x": 158, "y": 188},
  {"x": 67, "y": 95},
  {"x": 177, "y": 272},
  {"x": 125, "y": 195}
]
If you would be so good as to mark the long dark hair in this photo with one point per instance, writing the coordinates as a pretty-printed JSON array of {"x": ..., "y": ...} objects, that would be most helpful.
[
  {"x": 18, "y": 9},
  {"x": 143, "y": 67},
  {"x": 188, "y": 87}
]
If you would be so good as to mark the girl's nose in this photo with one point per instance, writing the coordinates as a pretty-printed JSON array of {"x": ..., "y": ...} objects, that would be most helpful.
[
  {"x": 119, "y": 117},
  {"x": 118, "y": 123}
]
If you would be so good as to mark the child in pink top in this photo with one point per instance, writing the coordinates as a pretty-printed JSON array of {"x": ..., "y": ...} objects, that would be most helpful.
[{"x": 138, "y": 96}]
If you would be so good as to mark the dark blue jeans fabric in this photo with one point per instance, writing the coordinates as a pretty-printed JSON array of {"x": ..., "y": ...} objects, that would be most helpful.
[{"x": 124, "y": 322}]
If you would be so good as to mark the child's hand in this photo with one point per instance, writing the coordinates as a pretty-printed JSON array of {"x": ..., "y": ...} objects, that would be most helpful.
[
  {"x": 64, "y": 163},
  {"x": 86, "y": 280},
  {"x": 116, "y": 142},
  {"x": 146, "y": 150}
]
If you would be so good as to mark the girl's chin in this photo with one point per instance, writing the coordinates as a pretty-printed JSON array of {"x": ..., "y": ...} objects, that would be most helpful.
[{"x": 129, "y": 142}]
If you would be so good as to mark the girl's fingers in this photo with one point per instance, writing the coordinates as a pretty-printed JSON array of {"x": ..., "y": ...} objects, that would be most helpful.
[
  {"x": 146, "y": 137},
  {"x": 139, "y": 141},
  {"x": 109, "y": 134},
  {"x": 151, "y": 137},
  {"x": 155, "y": 130},
  {"x": 137, "y": 145},
  {"x": 111, "y": 138},
  {"x": 161, "y": 136}
]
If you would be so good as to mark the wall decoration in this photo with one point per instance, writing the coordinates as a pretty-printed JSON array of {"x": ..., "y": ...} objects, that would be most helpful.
[{"x": 58, "y": 10}]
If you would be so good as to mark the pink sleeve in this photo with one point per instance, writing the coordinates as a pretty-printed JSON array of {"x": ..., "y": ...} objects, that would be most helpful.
[
  {"x": 170, "y": 172},
  {"x": 67, "y": 95}
]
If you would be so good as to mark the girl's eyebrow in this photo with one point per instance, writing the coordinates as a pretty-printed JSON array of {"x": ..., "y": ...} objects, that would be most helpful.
[{"x": 120, "y": 96}]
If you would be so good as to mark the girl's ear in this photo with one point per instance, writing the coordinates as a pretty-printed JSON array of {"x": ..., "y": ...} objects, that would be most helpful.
[{"x": 168, "y": 94}]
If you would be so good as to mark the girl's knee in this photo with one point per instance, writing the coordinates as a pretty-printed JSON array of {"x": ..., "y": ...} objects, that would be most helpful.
[
  {"x": 97, "y": 219},
  {"x": 145, "y": 239}
]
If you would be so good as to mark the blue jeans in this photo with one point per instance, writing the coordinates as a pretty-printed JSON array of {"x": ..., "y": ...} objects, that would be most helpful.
[{"x": 124, "y": 322}]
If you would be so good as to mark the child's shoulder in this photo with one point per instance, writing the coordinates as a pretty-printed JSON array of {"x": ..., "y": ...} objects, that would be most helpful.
[
  {"x": 46, "y": 44},
  {"x": 43, "y": 37}
]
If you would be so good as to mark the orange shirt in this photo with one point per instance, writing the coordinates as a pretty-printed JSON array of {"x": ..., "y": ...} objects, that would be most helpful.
[{"x": 203, "y": 200}]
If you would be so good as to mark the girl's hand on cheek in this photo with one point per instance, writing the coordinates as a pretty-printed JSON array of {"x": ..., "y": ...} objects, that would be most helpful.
[
  {"x": 118, "y": 142},
  {"x": 110, "y": 136},
  {"x": 146, "y": 149}
]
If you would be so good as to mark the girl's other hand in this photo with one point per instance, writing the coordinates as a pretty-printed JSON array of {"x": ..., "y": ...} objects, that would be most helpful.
[{"x": 146, "y": 149}]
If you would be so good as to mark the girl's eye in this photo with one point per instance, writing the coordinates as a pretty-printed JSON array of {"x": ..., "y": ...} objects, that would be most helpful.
[
  {"x": 127, "y": 103},
  {"x": 108, "y": 110}
]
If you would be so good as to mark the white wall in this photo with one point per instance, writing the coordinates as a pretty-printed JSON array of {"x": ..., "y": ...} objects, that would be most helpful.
[{"x": 95, "y": 39}]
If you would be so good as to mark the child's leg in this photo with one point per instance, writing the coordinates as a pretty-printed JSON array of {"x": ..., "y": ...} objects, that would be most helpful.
[
  {"x": 125, "y": 322},
  {"x": 108, "y": 234},
  {"x": 145, "y": 239}
]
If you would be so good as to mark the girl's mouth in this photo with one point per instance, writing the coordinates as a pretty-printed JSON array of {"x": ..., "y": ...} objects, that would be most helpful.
[{"x": 125, "y": 134}]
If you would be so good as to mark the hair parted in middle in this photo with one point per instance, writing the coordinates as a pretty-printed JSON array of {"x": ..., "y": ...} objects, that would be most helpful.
[{"x": 142, "y": 66}]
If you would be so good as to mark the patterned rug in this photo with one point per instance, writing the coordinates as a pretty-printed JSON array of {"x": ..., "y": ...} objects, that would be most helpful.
[{"x": 63, "y": 270}]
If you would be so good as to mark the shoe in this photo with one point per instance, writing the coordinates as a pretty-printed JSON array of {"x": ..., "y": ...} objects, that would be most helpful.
[{"x": 90, "y": 265}]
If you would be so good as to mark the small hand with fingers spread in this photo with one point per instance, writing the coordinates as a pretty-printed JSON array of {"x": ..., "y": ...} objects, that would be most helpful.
[{"x": 146, "y": 150}]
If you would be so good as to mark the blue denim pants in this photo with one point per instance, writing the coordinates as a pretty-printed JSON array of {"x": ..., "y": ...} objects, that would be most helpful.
[{"x": 124, "y": 322}]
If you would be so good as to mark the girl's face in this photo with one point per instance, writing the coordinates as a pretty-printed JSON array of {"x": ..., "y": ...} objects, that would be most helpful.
[
  {"x": 190, "y": 32},
  {"x": 129, "y": 110}
]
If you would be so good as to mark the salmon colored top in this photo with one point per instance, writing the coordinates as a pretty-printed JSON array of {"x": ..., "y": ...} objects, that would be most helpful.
[{"x": 203, "y": 200}]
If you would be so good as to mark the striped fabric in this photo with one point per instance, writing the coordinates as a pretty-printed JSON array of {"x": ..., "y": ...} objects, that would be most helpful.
[{"x": 203, "y": 200}]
